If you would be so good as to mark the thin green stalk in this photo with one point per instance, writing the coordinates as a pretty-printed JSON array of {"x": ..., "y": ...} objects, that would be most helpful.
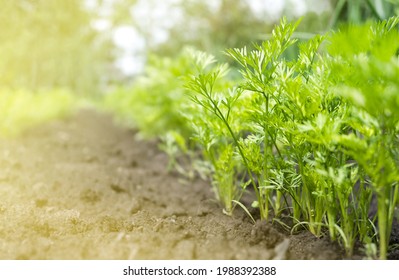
[
  {"x": 237, "y": 144},
  {"x": 331, "y": 217},
  {"x": 264, "y": 202},
  {"x": 382, "y": 214}
]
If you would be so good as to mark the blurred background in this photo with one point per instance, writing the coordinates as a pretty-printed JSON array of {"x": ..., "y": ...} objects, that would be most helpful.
[
  {"x": 85, "y": 45},
  {"x": 53, "y": 51}
]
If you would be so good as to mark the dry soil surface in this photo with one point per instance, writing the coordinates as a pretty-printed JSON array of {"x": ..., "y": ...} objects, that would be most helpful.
[{"x": 85, "y": 188}]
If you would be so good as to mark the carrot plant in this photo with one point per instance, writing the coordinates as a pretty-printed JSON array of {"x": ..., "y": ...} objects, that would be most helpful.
[
  {"x": 256, "y": 149},
  {"x": 216, "y": 127},
  {"x": 259, "y": 69}
]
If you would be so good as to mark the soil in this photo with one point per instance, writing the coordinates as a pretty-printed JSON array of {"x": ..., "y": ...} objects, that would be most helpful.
[{"x": 86, "y": 188}]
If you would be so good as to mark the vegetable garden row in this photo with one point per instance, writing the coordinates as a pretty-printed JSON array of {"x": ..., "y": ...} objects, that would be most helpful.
[{"x": 315, "y": 137}]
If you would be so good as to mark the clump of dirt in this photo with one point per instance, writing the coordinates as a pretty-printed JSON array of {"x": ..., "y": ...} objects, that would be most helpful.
[{"x": 85, "y": 188}]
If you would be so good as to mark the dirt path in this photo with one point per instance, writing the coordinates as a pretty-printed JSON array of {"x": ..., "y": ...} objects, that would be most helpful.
[{"x": 84, "y": 188}]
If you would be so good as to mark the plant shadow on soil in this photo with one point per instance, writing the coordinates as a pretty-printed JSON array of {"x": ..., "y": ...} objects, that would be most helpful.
[{"x": 85, "y": 188}]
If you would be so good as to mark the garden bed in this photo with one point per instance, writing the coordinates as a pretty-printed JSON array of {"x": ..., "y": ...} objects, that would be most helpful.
[{"x": 84, "y": 188}]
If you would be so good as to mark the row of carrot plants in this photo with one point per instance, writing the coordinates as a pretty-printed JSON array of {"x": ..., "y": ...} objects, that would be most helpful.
[{"x": 315, "y": 137}]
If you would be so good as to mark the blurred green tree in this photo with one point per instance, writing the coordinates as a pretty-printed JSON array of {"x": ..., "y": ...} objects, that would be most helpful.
[{"x": 50, "y": 44}]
